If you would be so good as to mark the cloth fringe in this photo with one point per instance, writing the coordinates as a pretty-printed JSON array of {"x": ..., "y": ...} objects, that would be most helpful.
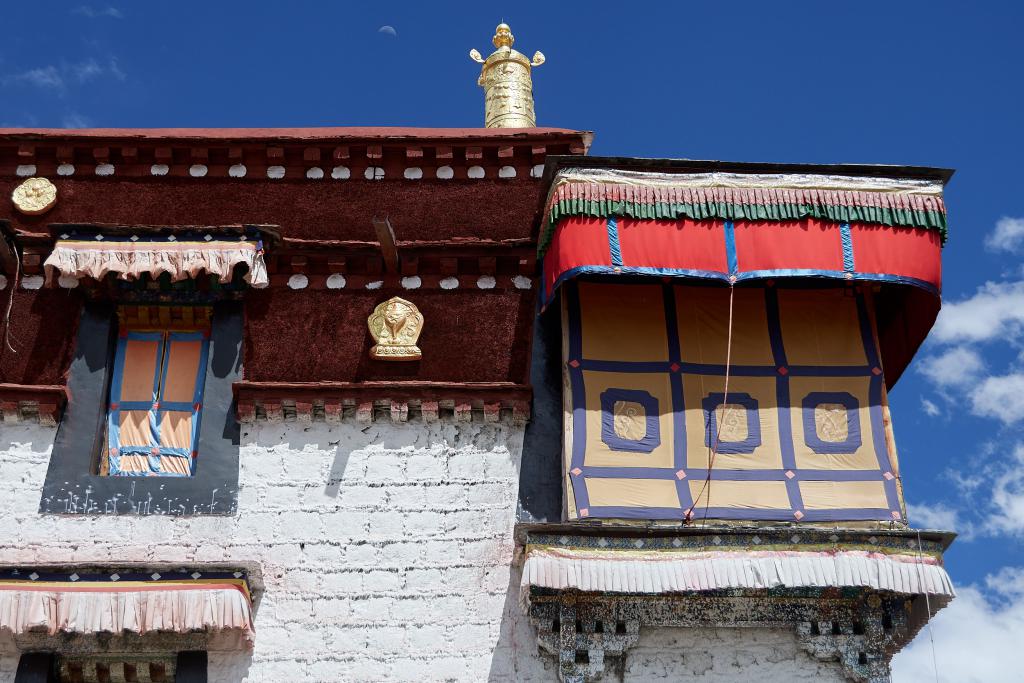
[
  {"x": 180, "y": 260},
  {"x": 739, "y": 196},
  {"x": 178, "y": 611},
  {"x": 674, "y": 572}
]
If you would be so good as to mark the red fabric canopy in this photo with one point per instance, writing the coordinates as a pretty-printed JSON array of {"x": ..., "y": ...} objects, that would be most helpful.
[{"x": 906, "y": 261}]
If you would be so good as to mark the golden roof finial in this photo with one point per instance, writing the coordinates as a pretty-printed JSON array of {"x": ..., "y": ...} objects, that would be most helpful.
[
  {"x": 508, "y": 87},
  {"x": 503, "y": 36}
]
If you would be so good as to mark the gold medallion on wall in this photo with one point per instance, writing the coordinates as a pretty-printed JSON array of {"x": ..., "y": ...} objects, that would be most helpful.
[
  {"x": 395, "y": 326},
  {"x": 34, "y": 196}
]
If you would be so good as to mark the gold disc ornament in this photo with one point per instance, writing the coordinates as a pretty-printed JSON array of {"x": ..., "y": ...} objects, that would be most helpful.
[
  {"x": 395, "y": 326},
  {"x": 34, "y": 196}
]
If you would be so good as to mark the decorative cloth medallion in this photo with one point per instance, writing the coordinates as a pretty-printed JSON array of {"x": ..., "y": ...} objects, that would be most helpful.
[
  {"x": 629, "y": 420},
  {"x": 395, "y": 326},
  {"x": 832, "y": 422},
  {"x": 740, "y": 430},
  {"x": 34, "y": 196}
]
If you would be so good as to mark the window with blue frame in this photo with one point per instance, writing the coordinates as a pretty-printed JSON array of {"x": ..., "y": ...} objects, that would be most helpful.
[{"x": 156, "y": 402}]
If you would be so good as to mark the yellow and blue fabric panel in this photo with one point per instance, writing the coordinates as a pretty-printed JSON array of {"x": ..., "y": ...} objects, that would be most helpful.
[
  {"x": 156, "y": 400},
  {"x": 803, "y": 433}
]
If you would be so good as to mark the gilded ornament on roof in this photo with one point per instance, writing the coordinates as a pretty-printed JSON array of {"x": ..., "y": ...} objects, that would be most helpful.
[
  {"x": 508, "y": 87},
  {"x": 34, "y": 196},
  {"x": 395, "y": 326}
]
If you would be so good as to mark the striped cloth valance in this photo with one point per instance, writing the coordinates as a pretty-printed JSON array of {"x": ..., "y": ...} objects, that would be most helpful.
[{"x": 730, "y": 196}]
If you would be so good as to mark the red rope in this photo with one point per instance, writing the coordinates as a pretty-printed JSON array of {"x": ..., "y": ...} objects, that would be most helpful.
[{"x": 713, "y": 449}]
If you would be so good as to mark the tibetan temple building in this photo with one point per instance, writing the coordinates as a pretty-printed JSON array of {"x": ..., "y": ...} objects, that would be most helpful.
[{"x": 361, "y": 404}]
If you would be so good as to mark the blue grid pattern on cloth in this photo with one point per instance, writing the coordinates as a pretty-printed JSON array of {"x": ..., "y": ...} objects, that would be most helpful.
[{"x": 782, "y": 374}]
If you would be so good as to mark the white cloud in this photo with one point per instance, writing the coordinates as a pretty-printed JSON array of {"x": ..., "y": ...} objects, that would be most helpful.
[
  {"x": 929, "y": 408},
  {"x": 976, "y": 641},
  {"x": 75, "y": 120},
  {"x": 941, "y": 517},
  {"x": 954, "y": 367},
  {"x": 1007, "y": 498},
  {"x": 98, "y": 12},
  {"x": 86, "y": 71},
  {"x": 1001, "y": 397},
  {"x": 1008, "y": 235},
  {"x": 115, "y": 70},
  {"x": 58, "y": 77},
  {"x": 1008, "y": 582},
  {"x": 43, "y": 77},
  {"x": 995, "y": 311}
]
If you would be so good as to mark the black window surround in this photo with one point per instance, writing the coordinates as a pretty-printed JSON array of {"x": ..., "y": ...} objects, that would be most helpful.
[
  {"x": 41, "y": 667},
  {"x": 72, "y": 485},
  {"x": 540, "y": 473}
]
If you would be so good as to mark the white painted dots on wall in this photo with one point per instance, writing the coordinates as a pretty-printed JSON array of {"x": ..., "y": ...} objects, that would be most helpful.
[{"x": 522, "y": 282}]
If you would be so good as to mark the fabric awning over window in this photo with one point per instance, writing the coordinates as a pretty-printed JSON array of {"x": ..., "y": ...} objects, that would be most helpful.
[
  {"x": 180, "y": 259},
  {"x": 676, "y": 571},
  {"x": 741, "y": 226},
  {"x": 137, "y": 604}
]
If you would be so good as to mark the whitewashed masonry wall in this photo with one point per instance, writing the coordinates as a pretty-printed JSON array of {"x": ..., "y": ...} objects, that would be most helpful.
[{"x": 386, "y": 552}]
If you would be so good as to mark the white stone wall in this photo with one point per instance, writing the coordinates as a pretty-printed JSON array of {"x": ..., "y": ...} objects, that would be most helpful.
[
  {"x": 386, "y": 553},
  {"x": 723, "y": 655},
  {"x": 386, "y": 550}
]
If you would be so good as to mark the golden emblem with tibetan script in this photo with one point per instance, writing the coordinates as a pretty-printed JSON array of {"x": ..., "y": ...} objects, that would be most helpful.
[
  {"x": 34, "y": 196},
  {"x": 395, "y": 326}
]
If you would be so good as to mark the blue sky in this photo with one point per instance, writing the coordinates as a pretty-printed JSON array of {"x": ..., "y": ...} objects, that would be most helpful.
[{"x": 934, "y": 83}]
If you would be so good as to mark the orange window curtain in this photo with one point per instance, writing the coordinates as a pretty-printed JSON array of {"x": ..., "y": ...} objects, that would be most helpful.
[{"x": 156, "y": 397}]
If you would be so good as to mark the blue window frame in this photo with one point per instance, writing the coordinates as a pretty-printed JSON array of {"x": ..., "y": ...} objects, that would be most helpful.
[{"x": 156, "y": 398}]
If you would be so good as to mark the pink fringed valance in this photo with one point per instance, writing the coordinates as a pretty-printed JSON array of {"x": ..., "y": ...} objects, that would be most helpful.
[
  {"x": 180, "y": 260},
  {"x": 91, "y": 608}
]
